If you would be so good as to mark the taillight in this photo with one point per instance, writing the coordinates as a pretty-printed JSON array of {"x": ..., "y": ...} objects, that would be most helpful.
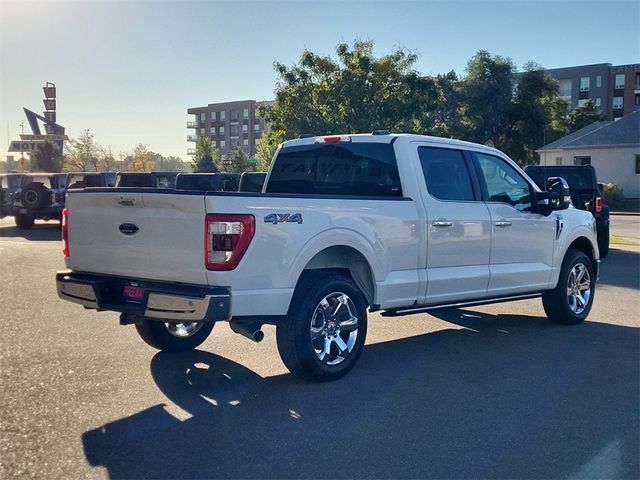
[
  {"x": 65, "y": 232},
  {"x": 226, "y": 238},
  {"x": 598, "y": 205},
  {"x": 334, "y": 139}
]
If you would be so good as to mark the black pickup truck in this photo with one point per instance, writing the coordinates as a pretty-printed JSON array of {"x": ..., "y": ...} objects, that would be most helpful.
[{"x": 585, "y": 194}]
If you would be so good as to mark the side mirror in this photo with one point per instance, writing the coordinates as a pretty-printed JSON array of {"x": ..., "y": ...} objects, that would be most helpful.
[{"x": 559, "y": 194}]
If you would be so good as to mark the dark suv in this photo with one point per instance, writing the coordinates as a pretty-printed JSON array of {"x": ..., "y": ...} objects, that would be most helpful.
[
  {"x": 585, "y": 194},
  {"x": 40, "y": 196}
]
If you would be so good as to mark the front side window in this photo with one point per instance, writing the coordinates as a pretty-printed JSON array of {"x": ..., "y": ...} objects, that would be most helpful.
[
  {"x": 504, "y": 183},
  {"x": 446, "y": 174},
  {"x": 344, "y": 169}
]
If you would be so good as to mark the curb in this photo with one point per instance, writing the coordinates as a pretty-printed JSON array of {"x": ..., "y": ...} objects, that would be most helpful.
[{"x": 630, "y": 214}]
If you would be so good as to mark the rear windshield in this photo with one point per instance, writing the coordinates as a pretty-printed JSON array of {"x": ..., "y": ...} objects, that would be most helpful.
[
  {"x": 135, "y": 180},
  {"x": 48, "y": 181},
  {"x": 207, "y": 182},
  {"x": 252, "y": 182},
  {"x": 84, "y": 180},
  {"x": 10, "y": 181},
  {"x": 345, "y": 169}
]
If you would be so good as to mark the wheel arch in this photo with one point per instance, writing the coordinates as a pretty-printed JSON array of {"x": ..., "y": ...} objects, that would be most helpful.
[{"x": 584, "y": 245}]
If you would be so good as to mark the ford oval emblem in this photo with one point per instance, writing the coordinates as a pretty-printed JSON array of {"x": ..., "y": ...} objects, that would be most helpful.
[{"x": 129, "y": 228}]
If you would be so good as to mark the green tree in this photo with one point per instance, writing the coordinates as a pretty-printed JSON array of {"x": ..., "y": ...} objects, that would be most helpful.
[
  {"x": 536, "y": 115},
  {"x": 82, "y": 153},
  {"x": 446, "y": 117},
  {"x": 142, "y": 160},
  {"x": 238, "y": 161},
  {"x": 486, "y": 99},
  {"x": 46, "y": 158},
  {"x": 266, "y": 148},
  {"x": 357, "y": 93},
  {"x": 207, "y": 158},
  {"x": 580, "y": 117}
]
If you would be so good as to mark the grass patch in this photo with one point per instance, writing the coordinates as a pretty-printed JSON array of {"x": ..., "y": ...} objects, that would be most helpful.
[{"x": 615, "y": 240}]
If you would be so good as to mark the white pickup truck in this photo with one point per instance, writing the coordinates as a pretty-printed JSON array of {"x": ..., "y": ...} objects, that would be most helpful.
[{"x": 344, "y": 225}]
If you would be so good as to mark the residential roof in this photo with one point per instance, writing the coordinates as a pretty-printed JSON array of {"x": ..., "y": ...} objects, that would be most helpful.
[{"x": 625, "y": 131}]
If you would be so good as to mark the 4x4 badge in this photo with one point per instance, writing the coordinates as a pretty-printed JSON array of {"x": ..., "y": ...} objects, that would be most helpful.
[{"x": 276, "y": 218}]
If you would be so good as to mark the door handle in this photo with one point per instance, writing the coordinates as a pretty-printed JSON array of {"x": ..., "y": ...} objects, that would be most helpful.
[
  {"x": 503, "y": 223},
  {"x": 441, "y": 223}
]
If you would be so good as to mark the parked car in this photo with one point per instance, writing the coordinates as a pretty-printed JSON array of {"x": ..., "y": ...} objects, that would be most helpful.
[
  {"x": 40, "y": 196},
  {"x": 215, "y": 182},
  {"x": 90, "y": 179},
  {"x": 146, "y": 179},
  {"x": 9, "y": 185},
  {"x": 252, "y": 181},
  {"x": 347, "y": 224},
  {"x": 586, "y": 194}
]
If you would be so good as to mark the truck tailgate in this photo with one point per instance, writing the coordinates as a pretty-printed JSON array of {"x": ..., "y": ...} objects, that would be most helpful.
[{"x": 150, "y": 235}]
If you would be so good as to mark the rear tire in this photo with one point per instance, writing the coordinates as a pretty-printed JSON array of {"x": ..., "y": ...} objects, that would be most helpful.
[
  {"x": 603, "y": 241},
  {"x": 324, "y": 332},
  {"x": 570, "y": 302},
  {"x": 24, "y": 221},
  {"x": 173, "y": 337}
]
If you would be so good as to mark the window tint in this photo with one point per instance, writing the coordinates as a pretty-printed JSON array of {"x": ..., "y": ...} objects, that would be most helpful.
[
  {"x": 504, "y": 183},
  {"x": 446, "y": 173},
  {"x": 360, "y": 169}
]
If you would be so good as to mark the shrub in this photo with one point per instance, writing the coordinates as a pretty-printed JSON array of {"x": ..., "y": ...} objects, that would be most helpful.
[{"x": 612, "y": 195}]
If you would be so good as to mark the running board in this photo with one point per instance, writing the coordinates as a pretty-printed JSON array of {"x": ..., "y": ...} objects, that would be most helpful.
[{"x": 471, "y": 303}]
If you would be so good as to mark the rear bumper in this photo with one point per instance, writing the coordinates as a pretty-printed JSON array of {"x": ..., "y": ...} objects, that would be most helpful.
[{"x": 161, "y": 300}]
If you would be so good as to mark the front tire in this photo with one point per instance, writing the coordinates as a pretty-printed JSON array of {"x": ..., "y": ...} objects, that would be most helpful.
[
  {"x": 173, "y": 337},
  {"x": 324, "y": 332},
  {"x": 570, "y": 302}
]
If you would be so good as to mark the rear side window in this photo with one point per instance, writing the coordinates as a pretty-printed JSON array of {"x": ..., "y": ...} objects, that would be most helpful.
[
  {"x": 135, "y": 180},
  {"x": 446, "y": 173},
  {"x": 349, "y": 169},
  {"x": 252, "y": 182}
]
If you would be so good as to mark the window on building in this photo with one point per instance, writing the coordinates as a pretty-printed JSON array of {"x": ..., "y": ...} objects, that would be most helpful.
[
  {"x": 558, "y": 160},
  {"x": 203, "y": 131},
  {"x": 245, "y": 128},
  {"x": 584, "y": 84},
  {"x": 221, "y": 130},
  {"x": 618, "y": 102},
  {"x": 598, "y": 102},
  {"x": 565, "y": 88},
  {"x": 619, "y": 83},
  {"x": 222, "y": 144},
  {"x": 583, "y": 102},
  {"x": 256, "y": 128},
  {"x": 637, "y": 80},
  {"x": 213, "y": 116},
  {"x": 637, "y": 162},
  {"x": 582, "y": 160},
  {"x": 599, "y": 81},
  {"x": 203, "y": 117},
  {"x": 222, "y": 116},
  {"x": 245, "y": 142},
  {"x": 245, "y": 113},
  {"x": 637, "y": 99}
]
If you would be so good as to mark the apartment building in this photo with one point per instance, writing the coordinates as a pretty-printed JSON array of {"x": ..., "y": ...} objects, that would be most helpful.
[
  {"x": 229, "y": 125},
  {"x": 613, "y": 89}
]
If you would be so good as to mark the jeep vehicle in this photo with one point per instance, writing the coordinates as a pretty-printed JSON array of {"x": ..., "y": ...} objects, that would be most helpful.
[
  {"x": 215, "y": 182},
  {"x": 90, "y": 179},
  {"x": 586, "y": 194},
  {"x": 252, "y": 181},
  {"x": 146, "y": 179},
  {"x": 9, "y": 185},
  {"x": 40, "y": 196},
  {"x": 347, "y": 224}
]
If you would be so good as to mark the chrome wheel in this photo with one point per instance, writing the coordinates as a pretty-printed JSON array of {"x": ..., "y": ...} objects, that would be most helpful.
[
  {"x": 579, "y": 288},
  {"x": 183, "y": 330},
  {"x": 334, "y": 328}
]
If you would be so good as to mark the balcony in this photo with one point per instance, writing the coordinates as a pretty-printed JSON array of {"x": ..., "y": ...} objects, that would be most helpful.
[
  {"x": 191, "y": 151},
  {"x": 192, "y": 125},
  {"x": 191, "y": 138}
]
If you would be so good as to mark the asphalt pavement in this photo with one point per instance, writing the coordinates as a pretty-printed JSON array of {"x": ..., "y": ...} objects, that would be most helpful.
[
  {"x": 627, "y": 226},
  {"x": 487, "y": 392}
]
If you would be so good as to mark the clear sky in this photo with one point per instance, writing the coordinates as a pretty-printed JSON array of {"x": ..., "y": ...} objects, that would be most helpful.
[{"x": 128, "y": 70}]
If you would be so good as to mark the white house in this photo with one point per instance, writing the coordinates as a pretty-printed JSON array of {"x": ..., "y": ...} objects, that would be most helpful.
[{"x": 612, "y": 147}]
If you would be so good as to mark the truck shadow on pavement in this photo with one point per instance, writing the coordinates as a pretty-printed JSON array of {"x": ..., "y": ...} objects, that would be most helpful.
[
  {"x": 49, "y": 231},
  {"x": 621, "y": 269},
  {"x": 493, "y": 396}
]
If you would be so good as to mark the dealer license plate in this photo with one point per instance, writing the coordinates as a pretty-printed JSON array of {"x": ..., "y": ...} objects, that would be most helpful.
[{"x": 133, "y": 292}]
